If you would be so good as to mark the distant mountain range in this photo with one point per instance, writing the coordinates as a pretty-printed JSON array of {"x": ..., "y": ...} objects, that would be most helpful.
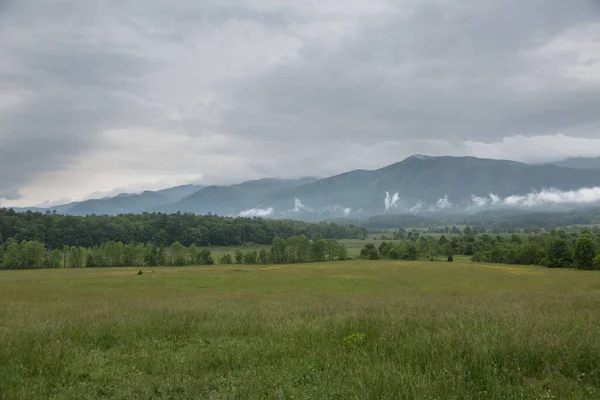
[
  {"x": 580, "y": 163},
  {"x": 416, "y": 185}
]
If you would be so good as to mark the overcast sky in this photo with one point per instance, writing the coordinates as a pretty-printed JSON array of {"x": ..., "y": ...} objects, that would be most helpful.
[{"x": 97, "y": 95}]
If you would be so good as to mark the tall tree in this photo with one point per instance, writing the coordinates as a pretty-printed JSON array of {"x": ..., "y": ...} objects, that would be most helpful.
[{"x": 585, "y": 252}]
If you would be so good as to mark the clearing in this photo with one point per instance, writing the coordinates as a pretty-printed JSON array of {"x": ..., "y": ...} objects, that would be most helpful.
[{"x": 426, "y": 330}]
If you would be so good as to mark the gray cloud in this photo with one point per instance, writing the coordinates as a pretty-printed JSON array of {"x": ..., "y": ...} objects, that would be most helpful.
[
  {"x": 68, "y": 86},
  {"x": 460, "y": 69},
  {"x": 153, "y": 90}
]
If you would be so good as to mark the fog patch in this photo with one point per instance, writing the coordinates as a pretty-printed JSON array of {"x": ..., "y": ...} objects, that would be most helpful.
[
  {"x": 391, "y": 201},
  {"x": 298, "y": 206},
  {"x": 441, "y": 204},
  {"x": 583, "y": 196},
  {"x": 257, "y": 212}
]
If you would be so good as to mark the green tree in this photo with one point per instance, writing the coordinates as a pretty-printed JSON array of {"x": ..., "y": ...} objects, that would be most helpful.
[
  {"x": 559, "y": 254},
  {"x": 129, "y": 255},
  {"x": 442, "y": 241},
  {"x": 447, "y": 250},
  {"x": 161, "y": 258},
  {"x": 303, "y": 247},
  {"x": 226, "y": 259},
  {"x": 342, "y": 252},
  {"x": 497, "y": 254},
  {"x": 373, "y": 254},
  {"x": 90, "y": 260},
  {"x": 33, "y": 254},
  {"x": 278, "y": 251},
  {"x": 151, "y": 255},
  {"x": 332, "y": 249},
  {"x": 596, "y": 264},
  {"x": 411, "y": 252},
  {"x": 55, "y": 259},
  {"x": 178, "y": 254},
  {"x": 194, "y": 254},
  {"x": 529, "y": 253},
  {"x": 12, "y": 256},
  {"x": 366, "y": 251},
  {"x": 585, "y": 252},
  {"x": 251, "y": 257},
  {"x": 239, "y": 256},
  {"x": 75, "y": 257},
  {"x": 205, "y": 257},
  {"x": 113, "y": 253},
  {"x": 319, "y": 250},
  {"x": 263, "y": 256},
  {"x": 478, "y": 257},
  {"x": 384, "y": 249}
]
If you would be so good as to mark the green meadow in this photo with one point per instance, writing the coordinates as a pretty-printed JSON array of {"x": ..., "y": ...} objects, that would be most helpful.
[{"x": 337, "y": 330}]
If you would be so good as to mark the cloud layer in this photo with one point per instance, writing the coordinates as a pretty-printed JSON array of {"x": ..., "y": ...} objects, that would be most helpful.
[{"x": 102, "y": 94}]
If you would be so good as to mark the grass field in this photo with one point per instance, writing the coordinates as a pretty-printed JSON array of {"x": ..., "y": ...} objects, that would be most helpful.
[
  {"x": 431, "y": 331},
  {"x": 353, "y": 245}
]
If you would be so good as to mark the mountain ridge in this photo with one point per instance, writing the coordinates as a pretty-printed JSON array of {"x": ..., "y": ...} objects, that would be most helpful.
[{"x": 418, "y": 183}]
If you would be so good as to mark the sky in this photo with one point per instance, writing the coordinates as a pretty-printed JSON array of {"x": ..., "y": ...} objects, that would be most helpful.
[{"x": 102, "y": 96}]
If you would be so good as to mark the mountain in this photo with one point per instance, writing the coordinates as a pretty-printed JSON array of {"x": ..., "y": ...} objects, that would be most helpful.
[
  {"x": 416, "y": 185},
  {"x": 231, "y": 200},
  {"x": 433, "y": 183},
  {"x": 580, "y": 163},
  {"x": 124, "y": 203},
  {"x": 180, "y": 192}
]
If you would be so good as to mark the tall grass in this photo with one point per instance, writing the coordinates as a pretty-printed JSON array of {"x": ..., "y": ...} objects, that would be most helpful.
[{"x": 430, "y": 330}]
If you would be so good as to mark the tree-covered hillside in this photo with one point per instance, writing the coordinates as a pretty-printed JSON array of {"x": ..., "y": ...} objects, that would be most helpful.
[{"x": 56, "y": 231}]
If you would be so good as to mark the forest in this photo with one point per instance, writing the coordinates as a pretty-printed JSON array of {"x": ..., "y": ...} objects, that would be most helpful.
[
  {"x": 494, "y": 220},
  {"x": 555, "y": 249},
  {"x": 56, "y": 231},
  {"x": 295, "y": 249}
]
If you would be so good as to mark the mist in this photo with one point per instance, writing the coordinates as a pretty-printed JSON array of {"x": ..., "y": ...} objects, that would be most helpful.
[
  {"x": 257, "y": 212},
  {"x": 391, "y": 201}
]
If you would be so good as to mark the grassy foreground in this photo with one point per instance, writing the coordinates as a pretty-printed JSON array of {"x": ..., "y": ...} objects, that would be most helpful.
[{"x": 433, "y": 331}]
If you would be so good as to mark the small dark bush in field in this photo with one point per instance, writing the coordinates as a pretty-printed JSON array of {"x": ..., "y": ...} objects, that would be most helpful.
[
  {"x": 450, "y": 259},
  {"x": 140, "y": 273},
  {"x": 354, "y": 341}
]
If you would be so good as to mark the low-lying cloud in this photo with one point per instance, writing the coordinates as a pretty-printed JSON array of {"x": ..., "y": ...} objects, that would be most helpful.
[
  {"x": 544, "y": 197},
  {"x": 583, "y": 196},
  {"x": 298, "y": 206},
  {"x": 257, "y": 212},
  {"x": 391, "y": 201}
]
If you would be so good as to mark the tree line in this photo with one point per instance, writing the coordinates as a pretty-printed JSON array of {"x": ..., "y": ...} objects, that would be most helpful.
[
  {"x": 295, "y": 249},
  {"x": 555, "y": 249},
  {"x": 500, "y": 221},
  {"x": 56, "y": 231}
]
